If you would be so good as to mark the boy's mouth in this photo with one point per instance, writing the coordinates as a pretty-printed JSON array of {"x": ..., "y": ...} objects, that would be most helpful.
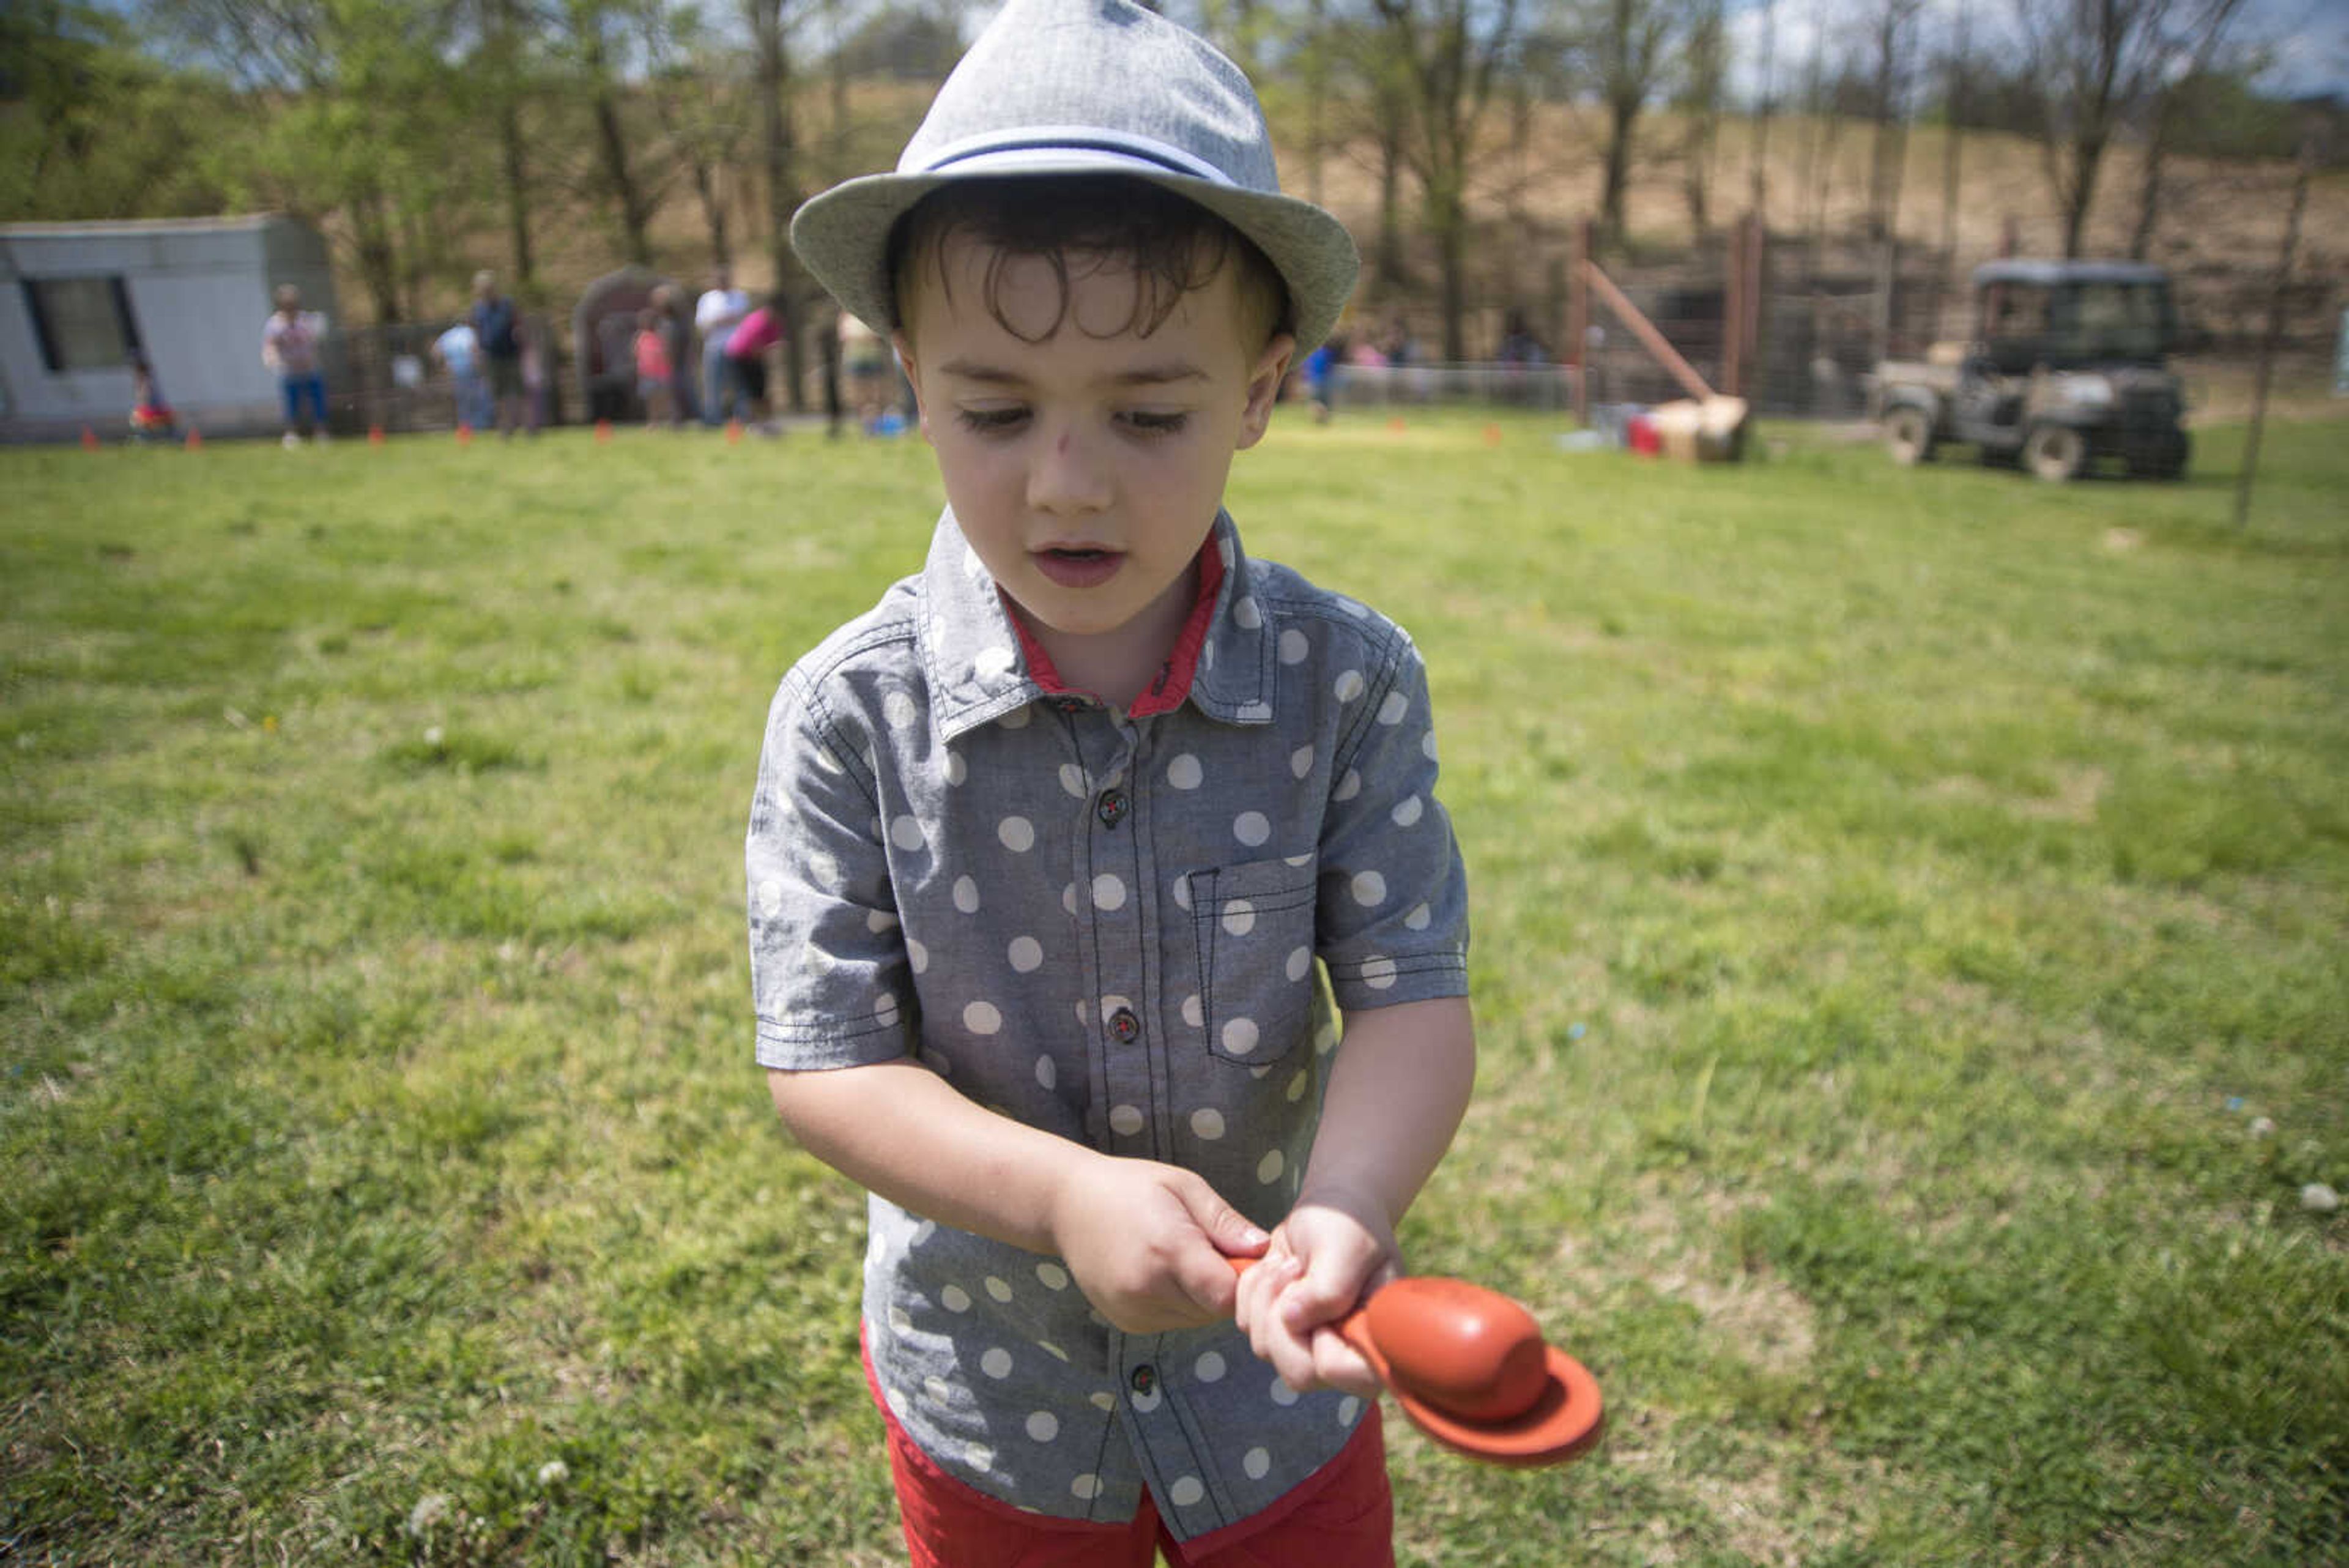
[{"x": 1078, "y": 566}]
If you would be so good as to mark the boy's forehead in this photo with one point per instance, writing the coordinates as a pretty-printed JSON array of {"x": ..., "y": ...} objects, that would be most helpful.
[{"x": 970, "y": 281}]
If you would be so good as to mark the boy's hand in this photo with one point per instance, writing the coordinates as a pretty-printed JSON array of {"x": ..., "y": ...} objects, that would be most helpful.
[
  {"x": 1322, "y": 1261},
  {"x": 1147, "y": 1243}
]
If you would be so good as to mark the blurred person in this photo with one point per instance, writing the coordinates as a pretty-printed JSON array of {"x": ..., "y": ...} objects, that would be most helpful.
[
  {"x": 151, "y": 416},
  {"x": 459, "y": 351},
  {"x": 290, "y": 340},
  {"x": 653, "y": 370},
  {"x": 497, "y": 325},
  {"x": 716, "y": 315},
  {"x": 746, "y": 361}
]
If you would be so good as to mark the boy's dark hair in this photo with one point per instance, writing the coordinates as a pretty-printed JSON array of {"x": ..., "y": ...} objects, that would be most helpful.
[{"x": 1174, "y": 246}]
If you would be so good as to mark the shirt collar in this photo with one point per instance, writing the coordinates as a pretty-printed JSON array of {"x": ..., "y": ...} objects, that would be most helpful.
[{"x": 981, "y": 666}]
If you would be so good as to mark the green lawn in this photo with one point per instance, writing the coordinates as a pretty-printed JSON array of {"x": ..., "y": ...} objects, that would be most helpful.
[{"x": 1910, "y": 925}]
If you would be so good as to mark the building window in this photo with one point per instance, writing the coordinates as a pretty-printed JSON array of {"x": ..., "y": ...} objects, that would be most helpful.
[{"x": 83, "y": 323}]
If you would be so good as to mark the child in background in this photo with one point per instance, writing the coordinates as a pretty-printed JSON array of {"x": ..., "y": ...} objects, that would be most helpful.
[
  {"x": 746, "y": 361},
  {"x": 1051, "y": 851},
  {"x": 653, "y": 370},
  {"x": 150, "y": 417}
]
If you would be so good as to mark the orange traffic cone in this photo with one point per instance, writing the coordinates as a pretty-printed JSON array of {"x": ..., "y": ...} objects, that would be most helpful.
[
  {"x": 1394, "y": 425},
  {"x": 1492, "y": 435},
  {"x": 464, "y": 433},
  {"x": 89, "y": 438},
  {"x": 733, "y": 432},
  {"x": 375, "y": 435},
  {"x": 195, "y": 438},
  {"x": 602, "y": 429}
]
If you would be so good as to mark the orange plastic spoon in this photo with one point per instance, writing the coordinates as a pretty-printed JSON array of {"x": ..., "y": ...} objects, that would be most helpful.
[{"x": 1469, "y": 1368}]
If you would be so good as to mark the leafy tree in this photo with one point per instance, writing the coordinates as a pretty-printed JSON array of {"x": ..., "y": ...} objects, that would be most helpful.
[{"x": 1628, "y": 47}]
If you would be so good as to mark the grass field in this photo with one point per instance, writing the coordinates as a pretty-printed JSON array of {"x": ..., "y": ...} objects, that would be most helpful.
[{"x": 1910, "y": 924}]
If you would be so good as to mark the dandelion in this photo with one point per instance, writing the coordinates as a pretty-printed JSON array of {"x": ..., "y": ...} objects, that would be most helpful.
[
  {"x": 553, "y": 1472},
  {"x": 429, "y": 1509}
]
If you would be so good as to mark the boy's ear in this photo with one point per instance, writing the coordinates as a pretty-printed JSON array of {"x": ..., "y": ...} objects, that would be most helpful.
[
  {"x": 904, "y": 347},
  {"x": 1264, "y": 388}
]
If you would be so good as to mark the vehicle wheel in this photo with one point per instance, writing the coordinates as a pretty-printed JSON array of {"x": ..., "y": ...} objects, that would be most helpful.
[
  {"x": 2055, "y": 452},
  {"x": 1908, "y": 435}
]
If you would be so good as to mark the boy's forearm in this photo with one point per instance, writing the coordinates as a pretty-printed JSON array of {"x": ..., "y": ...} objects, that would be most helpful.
[
  {"x": 1396, "y": 1094},
  {"x": 902, "y": 1131}
]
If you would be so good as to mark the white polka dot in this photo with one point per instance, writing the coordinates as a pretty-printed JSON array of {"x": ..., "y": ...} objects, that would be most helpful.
[
  {"x": 1325, "y": 1033},
  {"x": 1391, "y": 711},
  {"x": 1147, "y": 1402},
  {"x": 1192, "y": 1012},
  {"x": 1299, "y": 964},
  {"x": 1072, "y": 780},
  {"x": 954, "y": 1298},
  {"x": 1017, "y": 719},
  {"x": 1085, "y": 1487},
  {"x": 823, "y": 869},
  {"x": 1240, "y": 1037},
  {"x": 1418, "y": 918},
  {"x": 905, "y": 833},
  {"x": 1249, "y": 713},
  {"x": 965, "y": 894},
  {"x": 1239, "y": 917},
  {"x": 1126, "y": 1120},
  {"x": 1052, "y": 1276},
  {"x": 1018, "y": 833},
  {"x": 1224, "y": 550},
  {"x": 980, "y": 1460},
  {"x": 1293, "y": 647},
  {"x": 1026, "y": 953},
  {"x": 925, "y": 1230},
  {"x": 938, "y": 1390},
  {"x": 1101, "y": 1399},
  {"x": 1407, "y": 810},
  {"x": 880, "y": 920},
  {"x": 1207, "y": 1123},
  {"x": 1183, "y": 892},
  {"x": 1348, "y": 1408},
  {"x": 1044, "y": 1426},
  {"x": 956, "y": 769},
  {"x": 1378, "y": 973},
  {"x": 1208, "y": 1368},
  {"x": 886, "y": 1009},
  {"x": 1054, "y": 1351},
  {"x": 981, "y": 1018},
  {"x": 1370, "y": 889},
  {"x": 1349, "y": 685},
  {"x": 1268, "y": 1169},
  {"x": 997, "y": 1289},
  {"x": 1257, "y": 1463},
  {"x": 1109, "y": 893},
  {"x": 1109, "y": 1006},
  {"x": 899, "y": 1321},
  {"x": 1244, "y": 612},
  {"x": 1184, "y": 771},
  {"x": 899, "y": 709},
  {"x": 992, "y": 661},
  {"x": 1184, "y": 1493},
  {"x": 1068, "y": 898},
  {"x": 996, "y": 1363},
  {"x": 1208, "y": 656},
  {"x": 1427, "y": 744},
  {"x": 917, "y": 955},
  {"x": 1251, "y": 828},
  {"x": 1282, "y": 1393},
  {"x": 1298, "y": 1085},
  {"x": 1046, "y": 1074},
  {"x": 1348, "y": 787},
  {"x": 770, "y": 897}
]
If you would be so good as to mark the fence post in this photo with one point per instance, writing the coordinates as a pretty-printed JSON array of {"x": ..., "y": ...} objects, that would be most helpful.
[{"x": 1577, "y": 321}]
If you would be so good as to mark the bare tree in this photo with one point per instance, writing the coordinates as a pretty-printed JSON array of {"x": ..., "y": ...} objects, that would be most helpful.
[
  {"x": 770, "y": 22},
  {"x": 693, "y": 90},
  {"x": 1704, "y": 70},
  {"x": 1450, "y": 52},
  {"x": 1894, "y": 33},
  {"x": 2093, "y": 65},
  {"x": 1628, "y": 44},
  {"x": 1759, "y": 185}
]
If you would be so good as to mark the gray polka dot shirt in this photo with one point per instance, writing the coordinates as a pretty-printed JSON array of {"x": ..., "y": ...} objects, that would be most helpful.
[{"x": 1113, "y": 927}]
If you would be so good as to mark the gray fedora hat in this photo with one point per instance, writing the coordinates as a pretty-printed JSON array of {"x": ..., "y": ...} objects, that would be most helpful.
[{"x": 1088, "y": 87}]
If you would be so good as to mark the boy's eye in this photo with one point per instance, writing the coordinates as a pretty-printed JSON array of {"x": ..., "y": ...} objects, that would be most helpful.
[
  {"x": 1143, "y": 421},
  {"x": 993, "y": 420}
]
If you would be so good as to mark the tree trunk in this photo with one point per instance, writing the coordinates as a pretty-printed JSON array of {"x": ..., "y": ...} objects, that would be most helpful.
[
  {"x": 1622, "y": 113},
  {"x": 612, "y": 145},
  {"x": 512, "y": 158},
  {"x": 778, "y": 154},
  {"x": 1758, "y": 195}
]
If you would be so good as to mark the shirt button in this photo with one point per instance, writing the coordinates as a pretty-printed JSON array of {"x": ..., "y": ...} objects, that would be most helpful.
[
  {"x": 1144, "y": 1378},
  {"x": 1070, "y": 704},
  {"x": 1125, "y": 1025},
  {"x": 1113, "y": 807}
]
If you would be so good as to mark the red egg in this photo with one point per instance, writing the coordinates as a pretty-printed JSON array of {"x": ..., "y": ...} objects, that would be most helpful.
[{"x": 1468, "y": 1351}]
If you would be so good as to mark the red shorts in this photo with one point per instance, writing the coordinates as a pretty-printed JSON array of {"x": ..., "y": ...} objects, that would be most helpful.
[{"x": 1341, "y": 1516}]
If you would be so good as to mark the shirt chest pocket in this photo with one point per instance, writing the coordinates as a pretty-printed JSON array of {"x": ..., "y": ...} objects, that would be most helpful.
[{"x": 1252, "y": 932}]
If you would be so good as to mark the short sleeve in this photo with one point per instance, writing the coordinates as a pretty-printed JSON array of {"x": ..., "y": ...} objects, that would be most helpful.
[
  {"x": 829, "y": 975},
  {"x": 1393, "y": 895}
]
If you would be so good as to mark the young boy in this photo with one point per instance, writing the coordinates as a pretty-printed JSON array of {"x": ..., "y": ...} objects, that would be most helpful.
[{"x": 1046, "y": 846}]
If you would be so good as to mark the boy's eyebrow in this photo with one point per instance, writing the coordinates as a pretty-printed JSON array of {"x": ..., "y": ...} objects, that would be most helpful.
[{"x": 1137, "y": 375}]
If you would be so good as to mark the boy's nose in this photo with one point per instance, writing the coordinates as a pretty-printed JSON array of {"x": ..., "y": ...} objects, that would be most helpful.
[{"x": 1068, "y": 476}]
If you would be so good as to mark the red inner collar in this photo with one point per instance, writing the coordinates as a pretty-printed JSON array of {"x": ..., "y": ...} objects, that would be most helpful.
[{"x": 1172, "y": 682}]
